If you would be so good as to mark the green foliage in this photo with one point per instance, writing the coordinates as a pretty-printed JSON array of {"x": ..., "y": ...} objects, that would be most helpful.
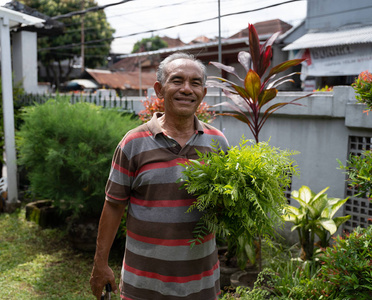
[
  {"x": 255, "y": 90},
  {"x": 241, "y": 193},
  {"x": 314, "y": 216},
  {"x": 363, "y": 89},
  {"x": 38, "y": 263},
  {"x": 359, "y": 171},
  {"x": 67, "y": 149},
  {"x": 17, "y": 93},
  {"x": 347, "y": 266},
  {"x": 149, "y": 44},
  {"x": 96, "y": 27}
]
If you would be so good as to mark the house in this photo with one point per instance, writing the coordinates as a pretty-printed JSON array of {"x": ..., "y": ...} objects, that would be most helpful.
[
  {"x": 24, "y": 42},
  {"x": 207, "y": 50},
  {"x": 127, "y": 83},
  {"x": 9, "y": 21},
  {"x": 337, "y": 42}
]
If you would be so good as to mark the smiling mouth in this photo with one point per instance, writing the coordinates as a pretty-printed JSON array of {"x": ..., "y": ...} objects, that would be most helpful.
[{"x": 185, "y": 100}]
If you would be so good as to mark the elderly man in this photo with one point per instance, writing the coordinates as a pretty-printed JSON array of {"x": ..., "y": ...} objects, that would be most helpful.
[{"x": 159, "y": 262}]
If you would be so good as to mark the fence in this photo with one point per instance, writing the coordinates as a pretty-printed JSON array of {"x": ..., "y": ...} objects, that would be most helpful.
[{"x": 106, "y": 99}]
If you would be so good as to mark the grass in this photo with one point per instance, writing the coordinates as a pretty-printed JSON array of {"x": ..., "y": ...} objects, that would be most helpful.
[{"x": 40, "y": 263}]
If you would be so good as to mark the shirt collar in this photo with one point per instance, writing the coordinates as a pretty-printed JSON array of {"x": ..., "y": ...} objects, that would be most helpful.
[{"x": 155, "y": 128}]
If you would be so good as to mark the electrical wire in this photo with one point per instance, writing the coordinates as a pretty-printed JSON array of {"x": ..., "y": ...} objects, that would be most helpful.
[{"x": 164, "y": 28}]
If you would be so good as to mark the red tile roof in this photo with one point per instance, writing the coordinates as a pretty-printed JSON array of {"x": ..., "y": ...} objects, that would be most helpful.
[
  {"x": 265, "y": 28},
  {"x": 123, "y": 80}
]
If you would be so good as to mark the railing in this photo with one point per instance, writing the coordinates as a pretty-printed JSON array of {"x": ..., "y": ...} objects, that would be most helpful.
[{"x": 107, "y": 99}]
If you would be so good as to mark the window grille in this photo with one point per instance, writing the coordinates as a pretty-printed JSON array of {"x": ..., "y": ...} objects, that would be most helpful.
[{"x": 359, "y": 208}]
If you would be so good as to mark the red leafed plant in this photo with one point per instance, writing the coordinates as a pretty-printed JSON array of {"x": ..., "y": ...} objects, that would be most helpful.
[
  {"x": 256, "y": 90},
  {"x": 363, "y": 89},
  {"x": 155, "y": 104}
]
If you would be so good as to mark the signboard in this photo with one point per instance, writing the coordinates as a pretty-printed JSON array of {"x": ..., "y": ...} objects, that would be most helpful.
[{"x": 342, "y": 60}]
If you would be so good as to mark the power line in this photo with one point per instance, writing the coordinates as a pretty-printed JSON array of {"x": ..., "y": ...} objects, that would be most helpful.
[
  {"x": 90, "y": 9},
  {"x": 167, "y": 27}
]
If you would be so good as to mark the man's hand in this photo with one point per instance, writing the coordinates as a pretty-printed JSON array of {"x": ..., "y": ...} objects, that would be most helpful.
[{"x": 99, "y": 278}]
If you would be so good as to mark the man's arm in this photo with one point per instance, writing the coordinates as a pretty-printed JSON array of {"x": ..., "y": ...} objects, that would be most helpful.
[{"x": 108, "y": 226}]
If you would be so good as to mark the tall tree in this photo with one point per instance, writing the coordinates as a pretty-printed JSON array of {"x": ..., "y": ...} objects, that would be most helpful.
[
  {"x": 59, "y": 53},
  {"x": 149, "y": 44}
]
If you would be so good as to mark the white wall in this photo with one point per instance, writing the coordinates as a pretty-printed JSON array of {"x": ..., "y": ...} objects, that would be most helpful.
[{"x": 25, "y": 60}]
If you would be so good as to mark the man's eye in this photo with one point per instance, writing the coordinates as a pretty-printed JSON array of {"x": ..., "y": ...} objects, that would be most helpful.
[{"x": 196, "y": 83}]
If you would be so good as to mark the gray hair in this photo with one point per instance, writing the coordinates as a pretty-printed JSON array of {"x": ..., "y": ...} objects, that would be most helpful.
[{"x": 162, "y": 69}]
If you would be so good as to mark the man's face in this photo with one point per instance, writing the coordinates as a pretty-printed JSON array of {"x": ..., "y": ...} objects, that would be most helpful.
[{"x": 183, "y": 88}]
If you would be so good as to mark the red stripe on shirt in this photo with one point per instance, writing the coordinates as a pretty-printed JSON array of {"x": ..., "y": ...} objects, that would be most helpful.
[
  {"x": 121, "y": 169},
  {"x": 176, "y": 279},
  {"x": 163, "y": 242},
  {"x": 213, "y": 132},
  {"x": 162, "y": 203},
  {"x": 161, "y": 165},
  {"x": 133, "y": 136}
]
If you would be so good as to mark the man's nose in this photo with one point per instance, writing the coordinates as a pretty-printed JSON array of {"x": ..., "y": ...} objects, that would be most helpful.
[{"x": 186, "y": 88}]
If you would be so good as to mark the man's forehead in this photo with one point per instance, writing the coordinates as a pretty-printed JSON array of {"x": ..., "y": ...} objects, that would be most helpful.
[{"x": 184, "y": 65}]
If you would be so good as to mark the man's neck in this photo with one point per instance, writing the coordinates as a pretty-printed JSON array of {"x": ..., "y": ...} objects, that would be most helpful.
[{"x": 180, "y": 129}]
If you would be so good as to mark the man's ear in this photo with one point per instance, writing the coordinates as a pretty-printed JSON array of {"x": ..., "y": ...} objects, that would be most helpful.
[{"x": 158, "y": 89}]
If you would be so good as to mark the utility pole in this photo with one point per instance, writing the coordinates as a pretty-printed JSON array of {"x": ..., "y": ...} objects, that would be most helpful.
[
  {"x": 220, "y": 57},
  {"x": 82, "y": 38}
]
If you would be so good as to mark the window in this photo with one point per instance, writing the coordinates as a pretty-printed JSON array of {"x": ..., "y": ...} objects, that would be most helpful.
[{"x": 360, "y": 209}]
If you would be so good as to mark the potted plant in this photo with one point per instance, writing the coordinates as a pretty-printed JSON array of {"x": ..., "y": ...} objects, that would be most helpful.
[
  {"x": 66, "y": 149},
  {"x": 241, "y": 194}
]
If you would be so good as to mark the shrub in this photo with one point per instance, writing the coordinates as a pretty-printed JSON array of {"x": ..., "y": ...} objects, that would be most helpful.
[
  {"x": 363, "y": 88},
  {"x": 347, "y": 266},
  {"x": 359, "y": 171},
  {"x": 66, "y": 150}
]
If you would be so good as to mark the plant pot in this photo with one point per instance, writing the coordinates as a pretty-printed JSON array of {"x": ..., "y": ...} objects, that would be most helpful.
[
  {"x": 225, "y": 275},
  {"x": 244, "y": 278},
  {"x": 225, "y": 270},
  {"x": 43, "y": 213},
  {"x": 83, "y": 234}
]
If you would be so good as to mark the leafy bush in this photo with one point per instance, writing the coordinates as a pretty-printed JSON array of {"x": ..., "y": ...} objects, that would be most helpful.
[
  {"x": 359, "y": 171},
  {"x": 241, "y": 194},
  {"x": 363, "y": 88},
  {"x": 67, "y": 148},
  {"x": 347, "y": 266}
]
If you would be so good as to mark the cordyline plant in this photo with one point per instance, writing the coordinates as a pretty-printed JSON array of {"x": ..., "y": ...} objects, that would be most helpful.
[{"x": 256, "y": 90}]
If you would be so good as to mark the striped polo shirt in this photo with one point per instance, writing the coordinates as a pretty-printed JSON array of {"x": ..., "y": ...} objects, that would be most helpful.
[{"x": 158, "y": 261}]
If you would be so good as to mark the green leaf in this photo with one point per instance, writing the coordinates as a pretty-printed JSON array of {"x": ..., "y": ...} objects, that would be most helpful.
[
  {"x": 340, "y": 220},
  {"x": 305, "y": 194},
  {"x": 328, "y": 224},
  {"x": 284, "y": 66},
  {"x": 252, "y": 85},
  {"x": 266, "y": 96},
  {"x": 319, "y": 204}
]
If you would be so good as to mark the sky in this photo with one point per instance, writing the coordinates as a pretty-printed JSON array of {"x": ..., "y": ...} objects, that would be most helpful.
[
  {"x": 139, "y": 19},
  {"x": 147, "y": 15}
]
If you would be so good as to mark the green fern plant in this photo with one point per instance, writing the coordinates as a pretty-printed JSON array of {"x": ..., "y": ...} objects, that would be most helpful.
[{"x": 240, "y": 193}]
